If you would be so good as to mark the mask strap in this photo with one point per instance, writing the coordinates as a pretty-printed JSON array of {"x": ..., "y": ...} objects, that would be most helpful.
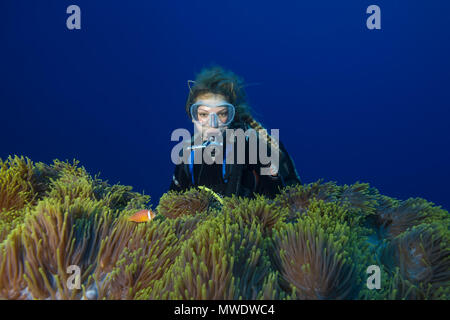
[{"x": 189, "y": 85}]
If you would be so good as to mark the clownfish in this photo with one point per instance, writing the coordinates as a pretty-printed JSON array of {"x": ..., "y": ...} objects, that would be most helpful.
[{"x": 142, "y": 216}]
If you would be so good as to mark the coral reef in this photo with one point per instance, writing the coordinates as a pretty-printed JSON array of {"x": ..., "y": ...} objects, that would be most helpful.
[{"x": 65, "y": 235}]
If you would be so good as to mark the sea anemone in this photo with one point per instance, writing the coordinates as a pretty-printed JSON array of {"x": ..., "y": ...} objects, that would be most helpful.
[
  {"x": 221, "y": 260},
  {"x": 296, "y": 198},
  {"x": 16, "y": 189},
  {"x": 148, "y": 251},
  {"x": 397, "y": 217},
  {"x": 313, "y": 265},
  {"x": 360, "y": 197},
  {"x": 261, "y": 210},
  {"x": 12, "y": 283},
  {"x": 16, "y": 192},
  {"x": 203, "y": 269},
  {"x": 69, "y": 226},
  {"x": 311, "y": 242},
  {"x": 174, "y": 204},
  {"x": 422, "y": 256},
  {"x": 185, "y": 225}
]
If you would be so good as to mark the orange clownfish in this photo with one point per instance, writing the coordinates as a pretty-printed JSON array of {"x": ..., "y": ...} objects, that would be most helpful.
[{"x": 142, "y": 216}]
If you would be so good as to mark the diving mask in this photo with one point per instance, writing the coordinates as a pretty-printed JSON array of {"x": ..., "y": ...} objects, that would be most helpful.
[{"x": 215, "y": 115}]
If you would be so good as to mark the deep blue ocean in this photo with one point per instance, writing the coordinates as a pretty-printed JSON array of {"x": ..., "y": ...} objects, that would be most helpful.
[{"x": 352, "y": 104}]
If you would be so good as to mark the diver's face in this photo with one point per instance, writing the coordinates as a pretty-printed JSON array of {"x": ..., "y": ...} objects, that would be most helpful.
[{"x": 204, "y": 112}]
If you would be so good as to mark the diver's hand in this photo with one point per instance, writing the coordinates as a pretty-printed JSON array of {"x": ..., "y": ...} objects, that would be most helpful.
[{"x": 273, "y": 170}]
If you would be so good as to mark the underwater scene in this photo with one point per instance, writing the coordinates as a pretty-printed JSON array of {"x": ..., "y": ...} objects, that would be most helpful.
[{"x": 224, "y": 150}]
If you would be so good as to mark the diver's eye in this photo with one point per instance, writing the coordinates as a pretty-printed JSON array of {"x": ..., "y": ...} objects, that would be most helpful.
[
  {"x": 202, "y": 114},
  {"x": 223, "y": 116}
]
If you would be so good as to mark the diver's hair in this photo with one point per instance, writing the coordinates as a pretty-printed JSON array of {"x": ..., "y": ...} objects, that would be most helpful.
[
  {"x": 252, "y": 123},
  {"x": 216, "y": 80}
]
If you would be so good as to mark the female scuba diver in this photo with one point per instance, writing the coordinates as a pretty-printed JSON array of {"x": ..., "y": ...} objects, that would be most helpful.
[{"x": 216, "y": 102}]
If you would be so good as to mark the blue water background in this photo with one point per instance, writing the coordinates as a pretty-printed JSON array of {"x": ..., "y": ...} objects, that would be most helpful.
[{"x": 351, "y": 104}]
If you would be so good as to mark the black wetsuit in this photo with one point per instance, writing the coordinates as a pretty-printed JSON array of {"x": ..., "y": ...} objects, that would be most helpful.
[{"x": 239, "y": 179}]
